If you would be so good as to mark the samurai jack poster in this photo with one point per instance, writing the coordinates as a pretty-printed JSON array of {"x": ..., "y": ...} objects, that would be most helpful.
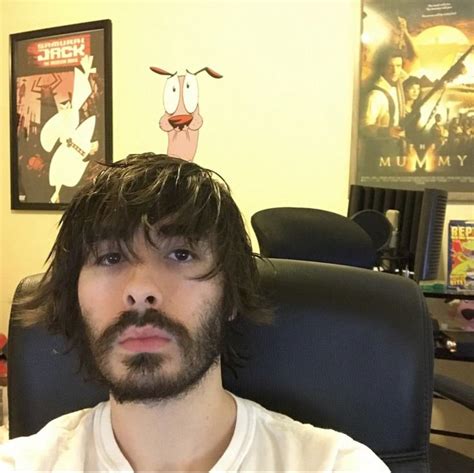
[
  {"x": 60, "y": 124},
  {"x": 416, "y": 115}
]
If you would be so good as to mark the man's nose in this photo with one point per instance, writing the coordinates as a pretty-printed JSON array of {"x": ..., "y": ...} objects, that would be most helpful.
[{"x": 142, "y": 289}]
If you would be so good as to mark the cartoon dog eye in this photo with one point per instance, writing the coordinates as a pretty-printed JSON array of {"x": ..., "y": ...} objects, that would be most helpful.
[
  {"x": 190, "y": 92},
  {"x": 171, "y": 94}
]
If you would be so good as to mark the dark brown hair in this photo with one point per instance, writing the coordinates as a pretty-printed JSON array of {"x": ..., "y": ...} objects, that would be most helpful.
[
  {"x": 146, "y": 191},
  {"x": 384, "y": 55}
]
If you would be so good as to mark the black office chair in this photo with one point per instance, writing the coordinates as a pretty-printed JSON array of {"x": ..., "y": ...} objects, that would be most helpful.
[
  {"x": 318, "y": 235},
  {"x": 312, "y": 235},
  {"x": 349, "y": 349}
]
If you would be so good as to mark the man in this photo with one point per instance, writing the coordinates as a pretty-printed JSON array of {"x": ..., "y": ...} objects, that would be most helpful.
[
  {"x": 385, "y": 104},
  {"x": 382, "y": 113},
  {"x": 439, "y": 133},
  {"x": 150, "y": 264},
  {"x": 70, "y": 159}
]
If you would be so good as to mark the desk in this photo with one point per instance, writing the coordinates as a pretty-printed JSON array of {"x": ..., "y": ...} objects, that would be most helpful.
[
  {"x": 440, "y": 291},
  {"x": 456, "y": 345}
]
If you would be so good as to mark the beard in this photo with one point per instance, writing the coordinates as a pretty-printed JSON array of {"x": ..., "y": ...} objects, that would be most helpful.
[{"x": 146, "y": 379}]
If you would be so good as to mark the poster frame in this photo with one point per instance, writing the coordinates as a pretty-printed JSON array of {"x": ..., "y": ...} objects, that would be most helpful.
[
  {"x": 20, "y": 66},
  {"x": 356, "y": 137}
]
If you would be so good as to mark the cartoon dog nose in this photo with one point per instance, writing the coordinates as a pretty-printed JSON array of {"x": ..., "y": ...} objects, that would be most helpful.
[{"x": 180, "y": 121}]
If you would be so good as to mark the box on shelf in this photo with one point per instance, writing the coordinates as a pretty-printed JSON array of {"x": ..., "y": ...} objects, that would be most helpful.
[{"x": 461, "y": 254}]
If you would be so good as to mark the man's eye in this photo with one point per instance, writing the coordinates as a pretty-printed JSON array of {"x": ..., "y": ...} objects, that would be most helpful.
[
  {"x": 181, "y": 255},
  {"x": 109, "y": 259}
]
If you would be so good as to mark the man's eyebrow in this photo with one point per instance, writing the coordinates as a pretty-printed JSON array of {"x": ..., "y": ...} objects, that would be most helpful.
[
  {"x": 163, "y": 238},
  {"x": 95, "y": 248},
  {"x": 103, "y": 242},
  {"x": 201, "y": 244}
]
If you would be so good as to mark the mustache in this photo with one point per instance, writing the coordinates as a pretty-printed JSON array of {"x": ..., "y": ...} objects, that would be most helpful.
[{"x": 153, "y": 317}]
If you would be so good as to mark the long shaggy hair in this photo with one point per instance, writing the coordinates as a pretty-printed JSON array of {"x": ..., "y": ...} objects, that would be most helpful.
[{"x": 154, "y": 193}]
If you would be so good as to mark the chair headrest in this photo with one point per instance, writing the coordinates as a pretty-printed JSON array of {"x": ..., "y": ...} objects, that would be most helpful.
[{"x": 312, "y": 235}]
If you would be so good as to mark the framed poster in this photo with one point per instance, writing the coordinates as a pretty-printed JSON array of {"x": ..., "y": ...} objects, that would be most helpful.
[
  {"x": 60, "y": 112},
  {"x": 416, "y": 96}
]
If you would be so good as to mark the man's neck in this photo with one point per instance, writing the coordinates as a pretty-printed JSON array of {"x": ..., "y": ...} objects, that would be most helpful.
[
  {"x": 384, "y": 83},
  {"x": 186, "y": 434}
]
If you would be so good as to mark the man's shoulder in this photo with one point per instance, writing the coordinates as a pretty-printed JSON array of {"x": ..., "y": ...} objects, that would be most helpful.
[
  {"x": 59, "y": 436},
  {"x": 382, "y": 84},
  {"x": 307, "y": 446},
  {"x": 276, "y": 424},
  {"x": 377, "y": 96}
]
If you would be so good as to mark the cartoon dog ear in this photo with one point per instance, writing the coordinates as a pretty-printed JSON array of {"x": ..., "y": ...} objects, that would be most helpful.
[
  {"x": 211, "y": 72},
  {"x": 160, "y": 71}
]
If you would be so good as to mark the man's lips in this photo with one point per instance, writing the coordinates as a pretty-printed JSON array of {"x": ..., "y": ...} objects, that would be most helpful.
[{"x": 144, "y": 339}]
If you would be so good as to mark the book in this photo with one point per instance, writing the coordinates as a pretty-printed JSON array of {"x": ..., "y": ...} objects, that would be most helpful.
[{"x": 461, "y": 254}]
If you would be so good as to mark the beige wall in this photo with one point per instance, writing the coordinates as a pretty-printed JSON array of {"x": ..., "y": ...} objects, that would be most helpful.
[{"x": 277, "y": 126}]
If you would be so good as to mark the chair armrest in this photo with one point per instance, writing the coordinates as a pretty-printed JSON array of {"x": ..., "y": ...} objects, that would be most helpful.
[{"x": 454, "y": 390}]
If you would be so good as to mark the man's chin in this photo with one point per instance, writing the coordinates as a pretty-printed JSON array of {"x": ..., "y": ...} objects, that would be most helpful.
[
  {"x": 135, "y": 391},
  {"x": 155, "y": 385},
  {"x": 144, "y": 399}
]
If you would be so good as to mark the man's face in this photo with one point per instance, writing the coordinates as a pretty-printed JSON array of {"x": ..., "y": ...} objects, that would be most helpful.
[
  {"x": 393, "y": 70},
  {"x": 154, "y": 329}
]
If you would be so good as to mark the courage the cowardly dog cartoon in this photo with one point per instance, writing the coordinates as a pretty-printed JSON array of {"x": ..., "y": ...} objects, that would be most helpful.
[{"x": 182, "y": 120}]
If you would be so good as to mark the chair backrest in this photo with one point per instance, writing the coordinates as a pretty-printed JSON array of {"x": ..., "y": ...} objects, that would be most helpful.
[
  {"x": 349, "y": 349},
  {"x": 312, "y": 235}
]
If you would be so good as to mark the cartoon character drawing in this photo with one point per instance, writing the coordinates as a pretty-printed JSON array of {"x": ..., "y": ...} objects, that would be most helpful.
[
  {"x": 182, "y": 119},
  {"x": 69, "y": 161}
]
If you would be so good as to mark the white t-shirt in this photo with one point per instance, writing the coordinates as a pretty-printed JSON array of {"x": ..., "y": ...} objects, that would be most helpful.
[
  {"x": 262, "y": 441},
  {"x": 378, "y": 110}
]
